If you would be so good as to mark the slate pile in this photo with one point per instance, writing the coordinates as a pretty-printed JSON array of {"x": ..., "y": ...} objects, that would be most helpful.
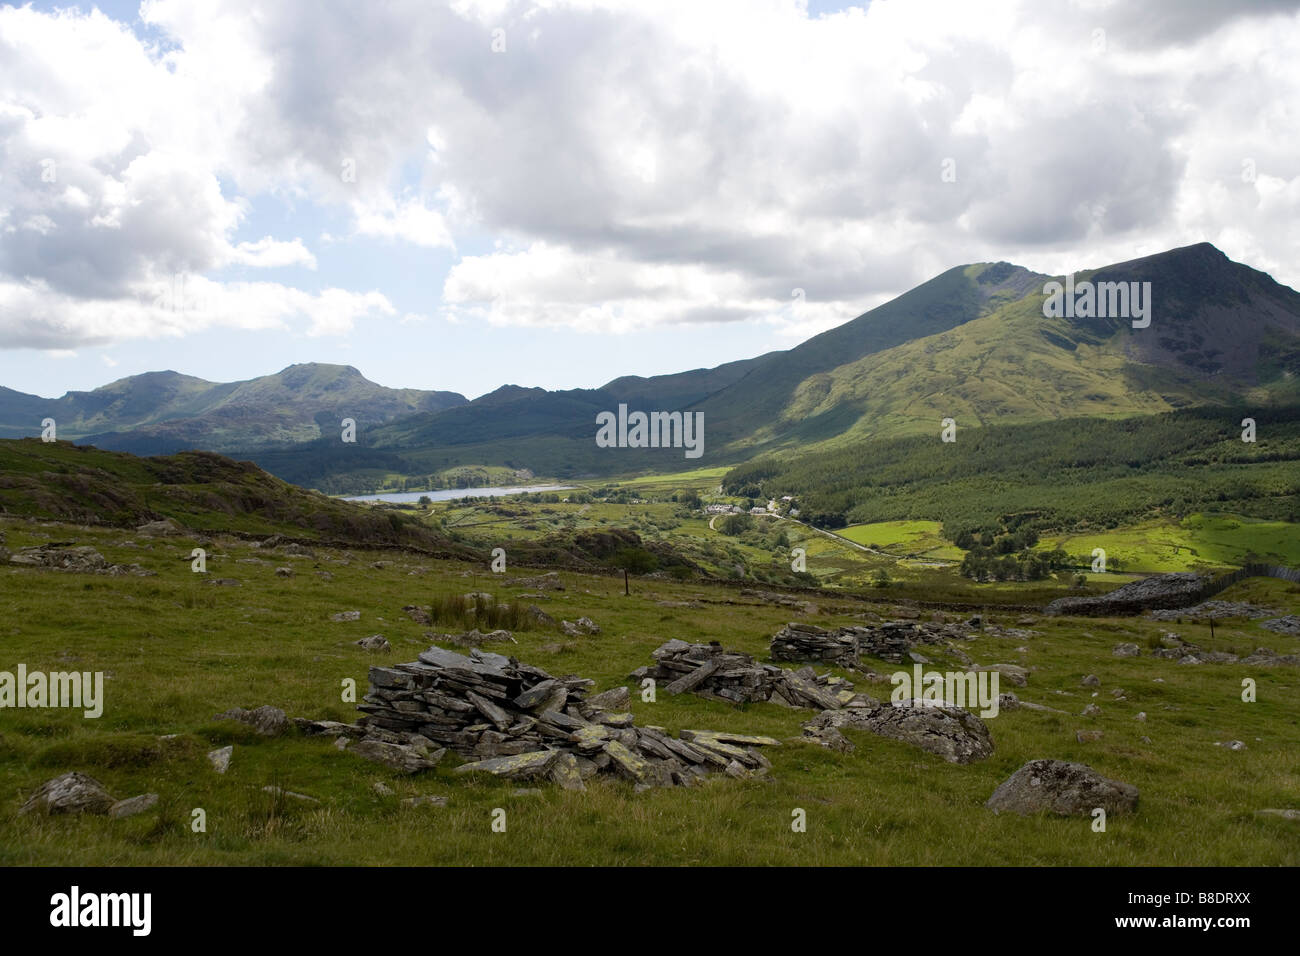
[
  {"x": 710, "y": 671},
  {"x": 513, "y": 720},
  {"x": 890, "y": 641}
]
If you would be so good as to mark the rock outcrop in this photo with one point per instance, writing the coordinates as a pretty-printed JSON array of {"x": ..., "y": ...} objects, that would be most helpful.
[
  {"x": 1067, "y": 789},
  {"x": 709, "y": 671},
  {"x": 954, "y": 734},
  {"x": 1158, "y": 592}
]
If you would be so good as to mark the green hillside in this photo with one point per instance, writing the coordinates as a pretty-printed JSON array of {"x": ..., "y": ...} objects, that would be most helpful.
[
  {"x": 199, "y": 490},
  {"x": 1075, "y": 475},
  {"x": 791, "y": 387},
  {"x": 1220, "y": 332}
]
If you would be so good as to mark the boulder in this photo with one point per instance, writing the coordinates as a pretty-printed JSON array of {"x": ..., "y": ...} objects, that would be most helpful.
[
  {"x": 72, "y": 792},
  {"x": 266, "y": 720},
  {"x": 406, "y": 759},
  {"x": 1067, "y": 789},
  {"x": 1126, "y": 650},
  {"x": 375, "y": 642},
  {"x": 220, "y": 758},
  {"x": 133, "y": 805},
  {"x": 954, "y": 734},
  {"x": 581, "y": 628},
  {"x": 538, "y": 616}
]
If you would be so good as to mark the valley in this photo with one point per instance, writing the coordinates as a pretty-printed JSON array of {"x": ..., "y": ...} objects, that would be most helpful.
[{"x": 935, "y": 478}]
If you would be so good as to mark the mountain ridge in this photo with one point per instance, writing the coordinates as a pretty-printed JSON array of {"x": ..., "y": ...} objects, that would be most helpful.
[{"x": 974, "y": 343}]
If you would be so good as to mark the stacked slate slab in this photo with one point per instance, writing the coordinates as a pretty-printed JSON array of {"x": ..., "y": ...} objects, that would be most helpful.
[
  {"x": 842, "y": 647},
  {"x": 513, "y": 720},
  {"x": 710, "y": 671},
  {"x": 808, "y": 642}
]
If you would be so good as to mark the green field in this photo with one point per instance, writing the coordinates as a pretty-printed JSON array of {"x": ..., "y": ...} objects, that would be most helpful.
[
  {"x": 178, "y": 651},
  {"x": 922, "y": 539},
  {"x": 1198, "y": 542}
]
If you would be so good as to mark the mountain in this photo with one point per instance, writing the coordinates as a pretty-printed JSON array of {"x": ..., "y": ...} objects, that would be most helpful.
[
  {"x": 978, "y": 343},
  {"x": 161, "y": 412},
  {"x": 683, "y": 388},
  {"x": 779, "y": 387},
  {"x": 1219, "y": 332},
  {"x": 973, "y": 344}
]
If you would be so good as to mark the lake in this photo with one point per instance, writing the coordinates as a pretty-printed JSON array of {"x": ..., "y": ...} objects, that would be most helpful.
[{"x": 446, "y": 494}]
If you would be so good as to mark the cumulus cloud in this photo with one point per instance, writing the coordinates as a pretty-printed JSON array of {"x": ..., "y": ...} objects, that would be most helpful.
[
  {"x": 38, "y": 316},
  {"x": 639, "y": 165}
]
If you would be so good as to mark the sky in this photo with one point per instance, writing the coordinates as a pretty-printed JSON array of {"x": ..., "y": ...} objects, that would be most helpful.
[{"x": 459, "y": 195}]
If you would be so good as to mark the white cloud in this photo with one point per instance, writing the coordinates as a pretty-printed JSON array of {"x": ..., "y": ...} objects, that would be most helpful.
[
  {"x": 41, "y": 317},
  {"x": 409, "y": 220},
  {"x": 642, "y": 165},
  {"x": 268, "y": 253}
]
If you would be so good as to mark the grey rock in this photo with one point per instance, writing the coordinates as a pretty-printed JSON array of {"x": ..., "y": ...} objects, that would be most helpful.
[
  {"x": 72, "y": 792},
  {"x": 281, "y": 792},
  {"x": 1067, "y": 789},
  {"x": 160, "y": 528},
  {"x": 133, "y": 805},
  {"x": 220, "y": 758},
  {"x": 1263, "y": 657},
  {"x": 1126, "y": 649},
  {"x": 1290, "y": 624},
  {"x": 1284, "y": 814},
  {"x": 405, "y": 759},
  {"x": 346, "y": 616},
  {"x": 266, "y": 720},
  {"x": 1018, "y": 676},
  {"x": 425, "y": 800},
  {"x": 954, "y": 734},
  {"x": 1161, "y": 591}
]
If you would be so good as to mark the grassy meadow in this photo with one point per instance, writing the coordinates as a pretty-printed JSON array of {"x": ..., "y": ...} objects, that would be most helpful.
[{"x": 177, "y": 650}]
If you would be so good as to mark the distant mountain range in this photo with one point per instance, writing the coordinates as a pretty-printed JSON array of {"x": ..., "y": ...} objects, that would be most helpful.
[
  {"x": 972, "y": 344},
  {"x": 161, "y": 412}
]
